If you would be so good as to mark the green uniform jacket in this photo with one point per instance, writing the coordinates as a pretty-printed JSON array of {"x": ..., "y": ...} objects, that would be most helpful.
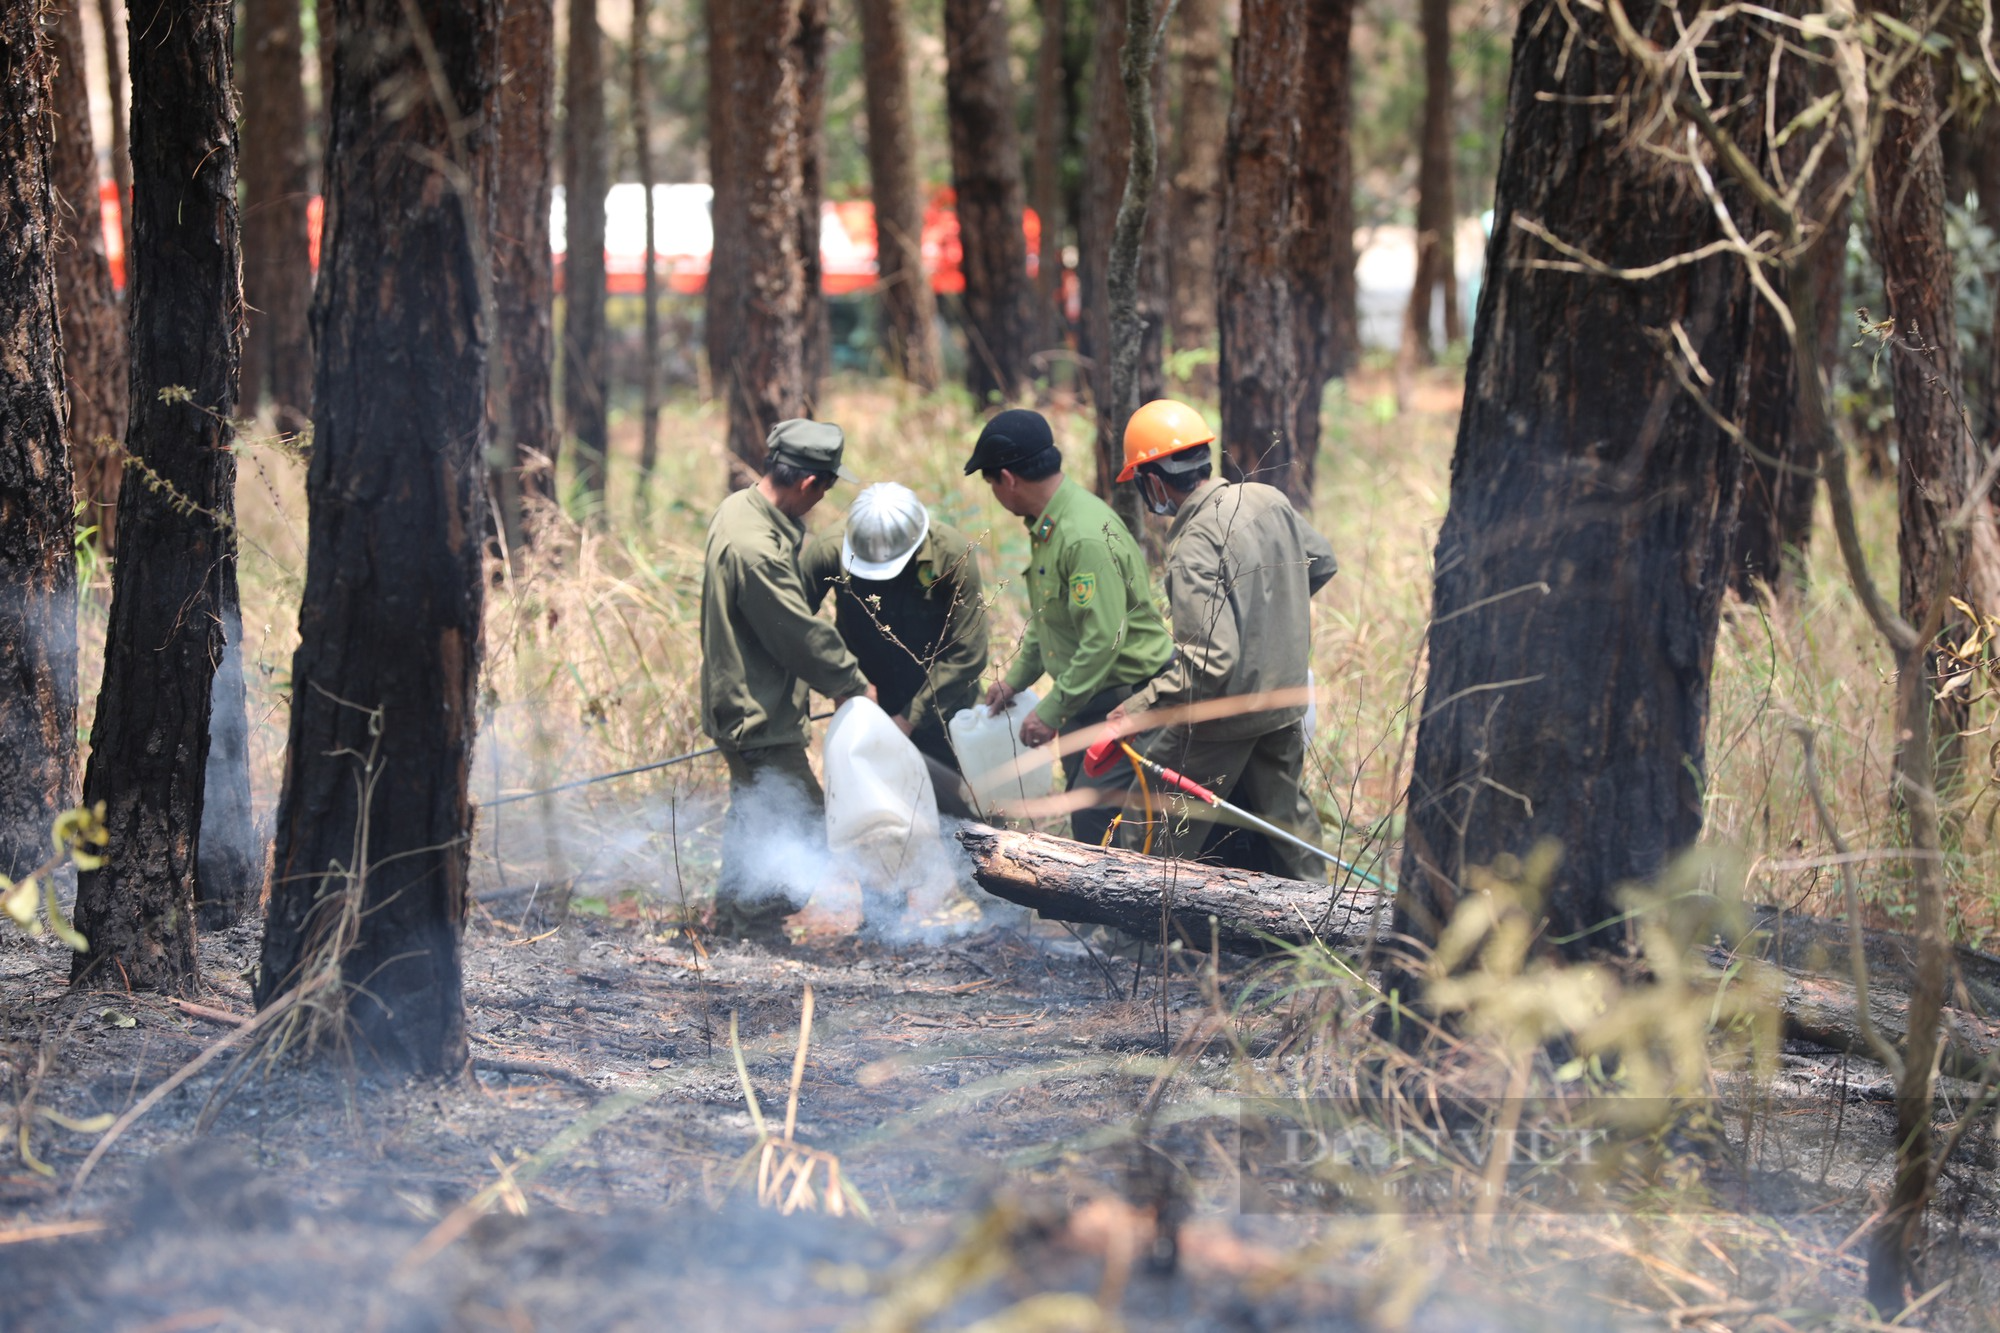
[
  {"x": 920, "y": 637},
  {"x": 1091, "y": 619},
  {"x": 1242, "y": 567},
  {"x": 761, "y": 645}
]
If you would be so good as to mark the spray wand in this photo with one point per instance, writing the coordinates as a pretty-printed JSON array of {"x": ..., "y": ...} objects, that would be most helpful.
[
  {"x": 1099, "y": 758},
  {"x": 621, "y": 773}
]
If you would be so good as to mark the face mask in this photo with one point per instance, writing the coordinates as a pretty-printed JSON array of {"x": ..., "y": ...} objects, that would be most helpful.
[{"x": 1154, "y": 492}]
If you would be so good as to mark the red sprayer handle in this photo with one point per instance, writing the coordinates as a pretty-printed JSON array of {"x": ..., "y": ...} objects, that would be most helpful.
[
  {"x": 1099, "y": 758},
  {"x": 1188, "y": 785}
]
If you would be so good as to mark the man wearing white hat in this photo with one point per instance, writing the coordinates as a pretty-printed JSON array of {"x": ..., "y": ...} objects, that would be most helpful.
[{"x": 908, "y": 604}]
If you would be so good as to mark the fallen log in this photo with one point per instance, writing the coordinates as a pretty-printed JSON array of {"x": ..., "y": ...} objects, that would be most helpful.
[
  {"x": 1252, "y": 914},
  {"x": 1256, "y": 915}
]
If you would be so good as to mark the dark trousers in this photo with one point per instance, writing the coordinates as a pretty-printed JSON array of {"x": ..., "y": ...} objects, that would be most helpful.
[
  {"x": 1090, "y": 823},
  {"x": 945, "y": 777}
]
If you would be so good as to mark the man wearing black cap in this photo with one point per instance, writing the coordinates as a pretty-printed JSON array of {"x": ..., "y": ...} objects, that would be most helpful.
[
  {"x": 1092, "y": 623},
  {"x": 762, "y": 652}
]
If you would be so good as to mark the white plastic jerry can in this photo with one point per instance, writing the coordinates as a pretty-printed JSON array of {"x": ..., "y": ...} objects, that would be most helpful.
[
  {"x": 880, "y": 807},
  {"x": 1003, "y": 773}
]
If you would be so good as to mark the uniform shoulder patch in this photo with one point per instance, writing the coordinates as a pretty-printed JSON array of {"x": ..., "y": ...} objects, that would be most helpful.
[{"x": 1082, "y": 589}]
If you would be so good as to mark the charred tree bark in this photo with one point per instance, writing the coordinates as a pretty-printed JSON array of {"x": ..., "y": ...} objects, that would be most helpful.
[
  {"x": 522, "y": 401},
  {"x": 809, "y": 60},
  {"x": 93, "y": 323},
  {"x": 986, "y": 178},
  {"x": 1321, "y": 250},
  {"x": 1774, "y": 520},
  {"x": 369, "y": 871},
  {"x": 38, "y": 689},
  {"x": 1262, "y": 371},
  {"x": 1050, "y": 323},
  {"x": 1436, "y": 261},
  {"x": 1781, "y": 464},
  {"x": 722, "y": 313},
  {"x": 759, "y": 171},
  {"x": 1581, "y": 565},
  {"x": 586, "y": 169},
  {"x": 277, "y": 263},
  {"x": 1137, "y": 205},
  {"x": 1937, "y": 460},
  {"x": 1107, "y": 152},
  {"x": 229, "y": 860},
  {"x": 649, "y": 319},
  {"x": 149, "y": 744},
  {"x": 1195, "y": 201},
  {"x": 111, "y": 15},
  {"x": 909, "y": 307}
]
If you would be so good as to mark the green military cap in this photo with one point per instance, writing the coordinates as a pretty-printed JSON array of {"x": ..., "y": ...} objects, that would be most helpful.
[{"x": 815, "y": 445}]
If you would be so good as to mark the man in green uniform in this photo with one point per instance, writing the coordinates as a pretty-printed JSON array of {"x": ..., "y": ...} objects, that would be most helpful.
[
  {"x": 1092, "y": 624},
  {"x": 762, "y": 652},
  {"x": 908, "y": 605},
  {"x": 1242, "y": 568}
]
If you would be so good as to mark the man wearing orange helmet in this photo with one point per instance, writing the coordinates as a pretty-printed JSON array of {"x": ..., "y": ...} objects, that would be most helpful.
[{"x": 1241, "y": 570}]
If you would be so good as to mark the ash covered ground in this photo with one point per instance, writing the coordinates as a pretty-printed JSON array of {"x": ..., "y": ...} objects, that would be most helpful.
[{"x": 993, "y": 1089}]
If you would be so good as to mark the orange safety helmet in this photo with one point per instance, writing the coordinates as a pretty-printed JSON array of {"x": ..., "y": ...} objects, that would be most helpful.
[{"x": 1162, "y": 427}]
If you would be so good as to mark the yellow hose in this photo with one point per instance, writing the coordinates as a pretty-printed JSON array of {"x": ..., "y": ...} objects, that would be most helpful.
[
  {"x": 1145, "y": 795},
  {"x": 1145, "y": 798}
]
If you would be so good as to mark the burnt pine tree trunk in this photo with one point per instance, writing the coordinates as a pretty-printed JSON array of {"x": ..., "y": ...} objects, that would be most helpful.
[
  {"x": 149, "y": 744},
  {"x": 809, "y": 60},
  {"x": 1320, "y": 251},
  {"x": 1136, "y": 205},
  {"x": 909, "y": 307},
  {"x": 1581, "y": 565},
  {"x": 1261, "y": 371},
  {"x": 986, "y": 177},
  {"x": 1195, "y": 201},
  {"x": 1049, "y": 323},
  {"x": 229, "y": 863},
  {"x": 1107, "y": 152},
  {"x": 1780, "y": 466},
  {"x": 1436, "y": 262},
  {"x": 759, "y": 183},
  {"x": 93, "y": 323},
  {"x": 277, "y": 266},
  {"x": 373, "y": 820},
  {"x": 37, "y": 529},
  {"x": 586, "y": 170},
  {"x": 111, "y": 16},
  {"x": 722, "y": 306},
  {"x": 649, "y": 332},
  {"x": 1937, "y": 460},
  {"x": 522, "y": 402}
]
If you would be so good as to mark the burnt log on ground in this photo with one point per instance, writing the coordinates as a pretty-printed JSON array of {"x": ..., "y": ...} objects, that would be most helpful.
[{"x": 1259, "y": 915}]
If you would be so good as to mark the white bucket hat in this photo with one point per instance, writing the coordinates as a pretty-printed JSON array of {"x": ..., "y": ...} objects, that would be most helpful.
[{"x": 886, "y": 525}]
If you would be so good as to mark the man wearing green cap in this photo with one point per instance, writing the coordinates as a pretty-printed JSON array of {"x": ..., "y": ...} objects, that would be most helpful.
[
  {"x": 762, "y": 652},
  {"x": 1092, "y": 623}
]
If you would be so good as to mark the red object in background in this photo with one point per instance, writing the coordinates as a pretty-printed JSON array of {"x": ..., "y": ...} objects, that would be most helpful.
[
  {"x": 112, "y": 216},
  {"x": 847, "y": 251}
]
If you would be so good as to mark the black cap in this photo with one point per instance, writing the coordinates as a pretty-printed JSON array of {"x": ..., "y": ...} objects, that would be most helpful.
[{"x": 1012, "y": 437}]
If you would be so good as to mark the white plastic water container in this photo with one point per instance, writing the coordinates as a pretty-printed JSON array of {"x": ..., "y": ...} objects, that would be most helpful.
[
  {"x": 880, "y": 807},
  {"x": 1310, "y": 722},
  {"x": 1003, "y": 773}
]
